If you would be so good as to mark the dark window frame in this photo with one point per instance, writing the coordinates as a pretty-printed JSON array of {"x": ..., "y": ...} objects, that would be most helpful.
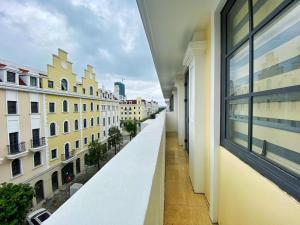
[
  {"x": 34, "y": 107},
  {"x": 64, "y": 86},
  {"x": 54, "y": 151},
  {"x": 12, "y": 107},
  {"x": 65, "y": 106},
  {"x": 51, "y": 104},
  {"x": 66, "y": 127},
  {"x": 52, "y": 129},
  {"x": 10, "y": 75},
  {"x": 280, "y": 176},
  {"x": 16, "y": 168},
  {"x": 37, "y": 159},
  {"x": 50, "y": 84}
]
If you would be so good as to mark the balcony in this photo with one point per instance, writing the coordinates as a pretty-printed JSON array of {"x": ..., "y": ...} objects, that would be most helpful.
[
  {"x": 133, "y": 184},
  {"x": 66, "y": 158},
  {"x": 38, "y": 144},
  {"x": 16, "y": 150}
]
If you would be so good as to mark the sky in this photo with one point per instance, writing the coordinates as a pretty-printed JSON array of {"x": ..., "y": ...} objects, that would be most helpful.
[{"x": 107, "y": 34}]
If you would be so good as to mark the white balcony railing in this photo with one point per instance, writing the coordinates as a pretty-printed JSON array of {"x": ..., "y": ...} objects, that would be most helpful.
[{"x": 129, "y": 190}]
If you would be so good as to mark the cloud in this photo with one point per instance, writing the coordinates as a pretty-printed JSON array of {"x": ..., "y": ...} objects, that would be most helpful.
[
  {"x": 38, "y": 26},
  {"x": 107, "y": 34}
]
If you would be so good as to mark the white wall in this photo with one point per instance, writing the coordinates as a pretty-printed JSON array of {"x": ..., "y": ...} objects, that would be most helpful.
[
  {"x": 179, "y": 84},
  {"x": 171, "y": 120},
  {"x": 128, "y": 190},
  {"x": 195, "y": 60}
]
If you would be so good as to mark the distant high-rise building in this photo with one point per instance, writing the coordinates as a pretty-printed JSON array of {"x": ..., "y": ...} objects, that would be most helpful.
[{"x": 120, "y": 89}]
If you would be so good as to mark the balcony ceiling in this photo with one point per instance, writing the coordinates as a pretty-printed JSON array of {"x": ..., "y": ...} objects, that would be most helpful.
[{"x": 169, "y": 26}]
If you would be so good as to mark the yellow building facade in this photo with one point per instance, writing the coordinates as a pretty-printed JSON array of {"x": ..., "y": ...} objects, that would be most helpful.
[
  {"x": 135, "y": 109},
  {"x": 50, "y": 118}
]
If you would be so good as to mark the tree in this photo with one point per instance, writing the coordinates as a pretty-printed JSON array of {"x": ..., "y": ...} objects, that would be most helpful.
[
  {"x": 97, "y": 153},
  {"x": 15, "y": 203},
  {"x": 115, "y": 137},
  {"x": 130, "y": 127}
]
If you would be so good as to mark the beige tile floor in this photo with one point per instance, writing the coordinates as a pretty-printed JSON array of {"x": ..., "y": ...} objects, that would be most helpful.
[{"x": 182, "y": 206}]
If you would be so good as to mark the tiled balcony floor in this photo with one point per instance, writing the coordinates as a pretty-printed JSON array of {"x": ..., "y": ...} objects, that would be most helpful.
[{"x": 182, "y": 206}]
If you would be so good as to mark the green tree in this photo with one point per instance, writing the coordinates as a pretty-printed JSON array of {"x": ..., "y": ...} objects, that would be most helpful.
[
  {"x": 131, "y": 128},
  {"x": 97, "y": 153},
  {"x": 115, "y": 137},
  {"x": 15, "y": 203}
]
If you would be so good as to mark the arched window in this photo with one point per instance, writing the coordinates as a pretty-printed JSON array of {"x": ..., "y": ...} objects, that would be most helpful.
[
  {"x": 16, "y": 167},
  {"x": 66, "y": 127},
  {"x": 86, "y": 160},
  {"x": 92, "y": 121},
  {"x": 54, "y": 178},
  {"x": 52, "y": 129},
  {"x": 91, "y": 91},
  {"x": 39, "y": 191},
  {"x": 78, "y": 165},
  {"x": 65, "y": 106},
  {"x": 76, "y": 125},
  {"x": 67, "y": 151},
  {"x": 84, "y": 123},
  {"x": 92, "y": 106},
  {"x": 64, "y": 85},
  {"x": 93, "y": 138},
  {"x": 37, "y": 159}
]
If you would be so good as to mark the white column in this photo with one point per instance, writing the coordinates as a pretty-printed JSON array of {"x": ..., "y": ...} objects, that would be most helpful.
[
  {"x": 195, "y": 60},
  {"x": 179, "y": 84}
]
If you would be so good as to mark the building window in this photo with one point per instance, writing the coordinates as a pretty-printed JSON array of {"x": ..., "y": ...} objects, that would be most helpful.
[
  {"x": 11, "y": 77},
  {"x": 98, "y": 108},
  {"x": 91, "y": 91},
  {"x": 84, "y": 123},
  {"x": 50, "y": 84},
  {"x": 84, "y": 107},
  {"x": 33, "y": 81},
  {"x": 77, "y": 144},
  {"x": 52, "y": 129},
  {"x": 75, "y": 89},
  {"x": 16, "y": 167},
  {"x": 258, "y": 67},
  {"x": 36, "y": 142},
  {"x": 93, "y": 138},
  {"x": 83, "y": 91},
  {"x": 65, "y": 106},
  {"x": 66, "y": 127},
  {"x": 103, "y": 121},
  {"x": 98, "y": 120},
  {"x": 11, "y": 107},
  {"x": 34, "y": 107},
  {"x": 92, "y": 121},
  {"x": 104, "y": 133},
  {"x": 53, "y": 153},
  {"x": 37, "y": 159},
  {"x": 98, "y": 135},
  {"x": 76, "y": 125},
  {"x": 51, "y": 107},
  {"x": 75, "y": 107},
  {"x": 108, "y": 121},
  {"x": 85, "y": 140},
  {"x": 64, "y": 85},
  {"x": 92, "y": 106}
]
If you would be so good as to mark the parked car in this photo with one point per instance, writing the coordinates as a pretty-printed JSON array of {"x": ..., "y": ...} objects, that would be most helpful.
[{"x": 37, "y": 217}]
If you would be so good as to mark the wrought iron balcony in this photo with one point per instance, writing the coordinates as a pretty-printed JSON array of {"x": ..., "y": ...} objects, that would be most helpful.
[
  {"x": 37, "y": 144},
  {"x": 66, "y": 158},
  {"x": 16, "y": 150}
]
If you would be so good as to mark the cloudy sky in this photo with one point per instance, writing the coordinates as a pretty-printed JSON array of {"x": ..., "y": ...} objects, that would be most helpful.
[{"x": 107, "y": 34}]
